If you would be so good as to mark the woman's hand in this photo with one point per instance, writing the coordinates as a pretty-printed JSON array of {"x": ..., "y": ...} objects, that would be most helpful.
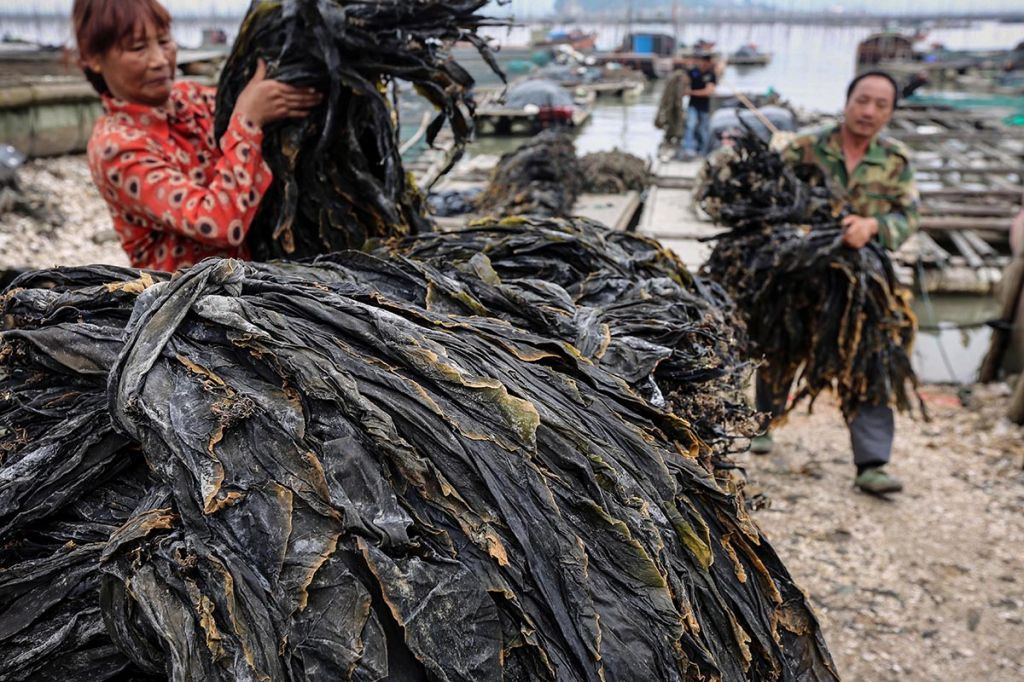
[{"x": 264, "y": 100}]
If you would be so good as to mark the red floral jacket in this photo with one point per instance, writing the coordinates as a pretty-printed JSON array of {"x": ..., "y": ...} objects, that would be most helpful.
[{"x": 175, "y": 196}]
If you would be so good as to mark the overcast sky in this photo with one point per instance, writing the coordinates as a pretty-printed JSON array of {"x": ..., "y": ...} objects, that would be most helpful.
[{"x": 535, "y": 7}]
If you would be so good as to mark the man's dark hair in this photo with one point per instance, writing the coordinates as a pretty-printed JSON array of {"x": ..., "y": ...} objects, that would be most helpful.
[{"x": 881, "y": 74}]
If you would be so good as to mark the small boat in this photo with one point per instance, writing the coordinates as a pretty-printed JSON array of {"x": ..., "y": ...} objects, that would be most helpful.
[
  {"x": 576, "y": 39},
  {"x": 530, "y": 106},
  {"x": 749, "y": 55}
]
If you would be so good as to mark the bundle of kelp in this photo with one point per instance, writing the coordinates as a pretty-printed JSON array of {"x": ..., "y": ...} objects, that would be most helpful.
[
  {"x": 351, "y": 470},
  {"x": 338, "y": 175},
  {"x": 625, "y": 302},
  {"x": 748, "y": 187},
  {"x": 820, "y": 313},
  {"x": 542, "y": 177},
  {"x": 614, "y": 172}
]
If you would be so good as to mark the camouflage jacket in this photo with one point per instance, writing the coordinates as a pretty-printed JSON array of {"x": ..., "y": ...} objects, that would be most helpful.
[{"x": 882, "y": 185}]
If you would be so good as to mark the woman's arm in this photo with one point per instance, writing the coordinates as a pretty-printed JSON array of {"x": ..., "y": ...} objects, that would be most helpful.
[{"x": 139, "y": 181}]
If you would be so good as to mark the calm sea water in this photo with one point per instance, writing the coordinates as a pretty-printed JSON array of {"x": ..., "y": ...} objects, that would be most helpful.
[{"x": 811, "y": 64}]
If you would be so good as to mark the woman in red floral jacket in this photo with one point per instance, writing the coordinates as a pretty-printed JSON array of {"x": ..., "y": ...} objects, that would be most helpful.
[{"x": 176, "y": 194}]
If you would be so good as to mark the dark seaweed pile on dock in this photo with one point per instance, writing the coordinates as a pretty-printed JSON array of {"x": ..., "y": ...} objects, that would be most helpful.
[
  {"x": 821, "y": 314},
  {"x": 380, "y": 468},
  {"x": 614, "y": 172},
  {"x": 339, "y": 179},
  {"x": 541, "y": 177}
]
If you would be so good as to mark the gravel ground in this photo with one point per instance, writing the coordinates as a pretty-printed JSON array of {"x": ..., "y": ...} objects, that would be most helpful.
[
  {"x": 62, "y": 220},
  {"x": 927, "y": 585}
]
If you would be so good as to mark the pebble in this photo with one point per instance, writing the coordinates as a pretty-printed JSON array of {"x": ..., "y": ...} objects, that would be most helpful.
[{"x": 69, "y": 223}]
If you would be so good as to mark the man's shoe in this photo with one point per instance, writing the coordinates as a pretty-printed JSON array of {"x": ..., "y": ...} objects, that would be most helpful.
[
  {"x": 877, "y": 481},
  {"x": 762, "y": 445}
]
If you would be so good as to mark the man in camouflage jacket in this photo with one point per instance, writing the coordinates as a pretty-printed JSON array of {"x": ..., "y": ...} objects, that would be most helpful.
[
  {"x": 876, "y": 177},
  {"x": 881, "y": 186}
]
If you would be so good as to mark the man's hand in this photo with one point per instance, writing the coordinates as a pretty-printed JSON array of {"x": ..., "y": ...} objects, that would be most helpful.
[{"x": 858, "y": 230}]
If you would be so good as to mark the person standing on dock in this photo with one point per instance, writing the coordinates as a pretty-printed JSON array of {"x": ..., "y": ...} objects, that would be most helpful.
[
  {"x": 671, "y": 116},
  {"x": 875, "y": 177},
  {"x": 697, "y": 139},
  {"x": 175, "y": 193}
]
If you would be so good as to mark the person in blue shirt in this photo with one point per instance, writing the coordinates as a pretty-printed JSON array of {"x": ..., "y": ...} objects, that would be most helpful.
[{"x": 697, "y": 139}]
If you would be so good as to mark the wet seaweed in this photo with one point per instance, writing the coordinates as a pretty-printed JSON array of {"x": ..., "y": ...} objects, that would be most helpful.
[
  {"x": 626, "y": 302},
  {"x": 339, "y": 179},
  {"x": 351, "y": 469},
  {"x": 822, "y": 315},
  {"x": 541, "y": 177},
  {"x": 614, "y": 172}
]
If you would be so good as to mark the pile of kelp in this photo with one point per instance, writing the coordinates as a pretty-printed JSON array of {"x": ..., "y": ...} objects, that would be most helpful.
[
  {"x": 541, "y": 177},
  {"x": 614, "y": 172},
  {"x": 442, "y": 462},
  {"x": 341, "y": 179},
  {"x": 544, "y": 177},
  {"x": 624, "y": 301},
  {"x": 821, "y": 314}
]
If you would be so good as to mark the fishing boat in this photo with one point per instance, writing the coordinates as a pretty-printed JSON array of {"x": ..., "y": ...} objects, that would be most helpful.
[
  {"x": 530, "y": 106},
  {"x": 749, "y": 55},
  {"x": 576, "y": 39}
]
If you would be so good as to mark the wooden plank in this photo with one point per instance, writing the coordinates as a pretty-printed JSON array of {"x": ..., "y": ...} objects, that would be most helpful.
[
  {"x": 938, "y": 208},
  {"x": 1013, "y": 194},
  {"x": 922, "y": 247},
  {"x": 674, "y": 183},
  {"x": 971, "y": 136},
  {"x": 1002, "y": 154},
  {"x": 983, "y": 248},
  {"x": 955, "y": 115},
  {"x": 614, "y": 210},
  {"x": 668, "y": 214},
  {"x": 692, "y": 252},
  {"x": 966, "y": 250},
  {"x": 948, "y": 223},
  {"x": 957, "y": 280},
  {"x": 1015, "y": 169},
  {"x": 687, "y": 170}
]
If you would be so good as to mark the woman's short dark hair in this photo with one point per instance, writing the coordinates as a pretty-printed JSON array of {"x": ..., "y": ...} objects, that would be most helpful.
[
  {"x": 879, "y": 74},
  {"x": 103, "y": 24}
]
